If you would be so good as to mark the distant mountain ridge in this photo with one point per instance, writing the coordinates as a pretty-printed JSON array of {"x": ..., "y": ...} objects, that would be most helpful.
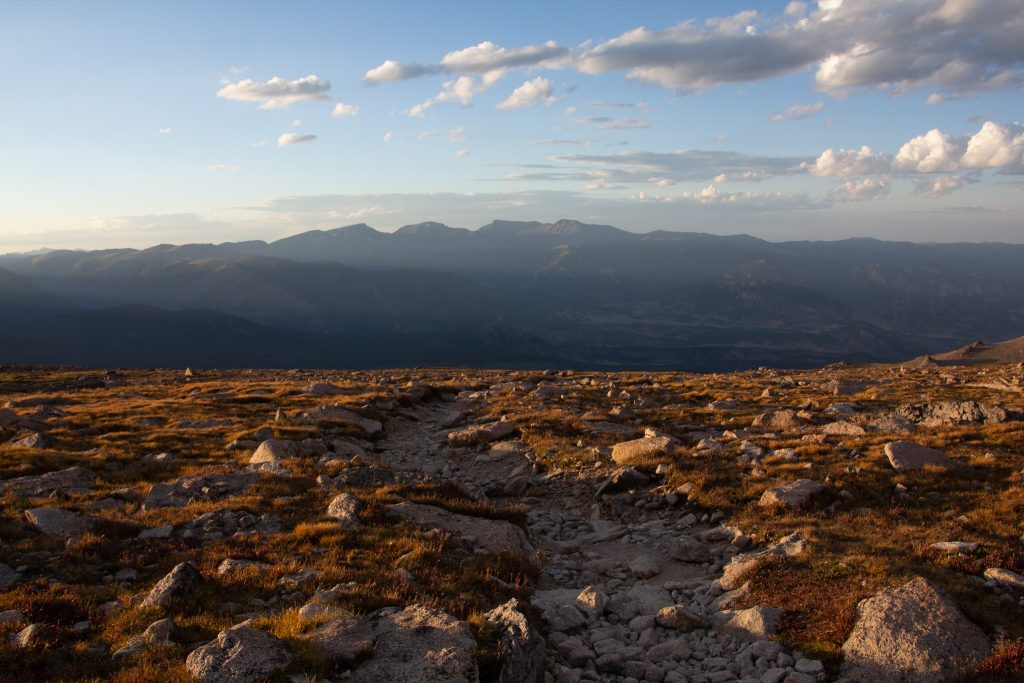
[{"x": 528, "y": 292}]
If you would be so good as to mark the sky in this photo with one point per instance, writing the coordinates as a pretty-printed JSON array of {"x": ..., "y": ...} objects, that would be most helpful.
[{"x": 139, "y": 123}]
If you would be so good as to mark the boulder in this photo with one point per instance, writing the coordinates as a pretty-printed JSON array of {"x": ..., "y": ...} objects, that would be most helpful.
[
  {"x": 679, "y": 617},
  {"x": 175, "y": 585},
  {"x": 754, "y": 622},
  {"x": 272, "y": 450},
  {"x": 520, "y": 646},
  {"x": 484, "y": 535},
  {"x": 345, "y": 508},
  {"x": 59, "y": 523},
  {"x": 952, "y": 413},
  {"x": 908, "y": 455},
  {"x": 8, "y": 577},
  {"x": 34, "y": 441},
  {"x": 1005, "y": 577},
  {"x": 185, "y": 490},
  {"x": 912, "y": 634},
  {"x": 794, "y": 544},
  {"x": 335, "y": 415},
  {"x": 778, "y": 420},
  {"x": 644, "y": 566},
  {"x": 240, "y": 654},
  {"x": 843, "y": 428},
  {"x": 68, "y": 482},
  {"x": 417, "y": 644},
  {"x": 793, "y": 495},
  {"x": 645, "y": 451},
  {"x": 479, "y": 435},
  {"x": 893, "y": 424}
]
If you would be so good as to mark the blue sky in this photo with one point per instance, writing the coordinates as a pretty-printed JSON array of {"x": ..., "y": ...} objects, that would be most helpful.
[{"x": 131, "y": 124}]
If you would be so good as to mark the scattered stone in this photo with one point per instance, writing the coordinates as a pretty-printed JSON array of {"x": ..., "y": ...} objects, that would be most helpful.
[
  {"x": 240, "y": 654},
  {"x": 177, "y": 584},
  {"x": 345, "y": 508},
  {"x": 34, "y": 441},
  {"x": 479, "y": 435},
  {"x": 484, "y": 535},
  {"x": 912, "y": 633},
  {"x": 644, "y": 566},
  {"x": 794, "y": 544},
  {"x": 1005, "y": 577},
  {"x": 334, "y": 415},
  {"x": 908, "y": 455},
  {"x": 226, "y": 522},
  {"x": 952, "y": 413},
  {"x": 185, "y": 490},
  {"x": 954, "y": 547},
  {"x": 417, "y": 644},
  {"x": 73, "y": 481},
  {"x": 59, "y": 523},
  {"x": 28, "y": 637},
  {"x": 754, "y": 622},
  {"x": 273, "y": 450},
  {"x": 679, "y": 617},
  {"x": 794, "y": 494},
  {"x": 893, "y": 424},
  {"x": 520, "y": 646},
  {"x": 843, "y": 428},
  {"x": 782, "y": 420},
  {"x": 643, "y": 451}
]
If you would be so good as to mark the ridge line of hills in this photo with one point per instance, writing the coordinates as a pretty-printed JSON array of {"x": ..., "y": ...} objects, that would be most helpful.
[{"x": 508, "y": 294}]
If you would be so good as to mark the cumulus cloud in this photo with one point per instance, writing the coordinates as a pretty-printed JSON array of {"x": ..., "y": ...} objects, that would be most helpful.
[
  {"x": 165, "y": 131},
  {"x": 342, "y": 110},
  {"x": 461, "y": 153},
  {"x": 996, "y": 146},
  {"x": 933, "y": 152},
  {"x": 389, "y": 136},
  {"x": 848, "y": 162},
  {"x": 799, "y": 111},
  {"x": 861, "y": 189},
  {"x": 955, "y": 47},
  {"x": 535, "y": 91},
  {"x": 294, "y": 139},
  {"x": 277, "y": 92},
  {"x": 942, "y": 185},
  {"x": 461, "y": 90}
]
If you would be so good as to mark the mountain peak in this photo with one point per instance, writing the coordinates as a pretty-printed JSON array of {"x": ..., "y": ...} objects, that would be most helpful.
[{"x": 427, "y": 228}]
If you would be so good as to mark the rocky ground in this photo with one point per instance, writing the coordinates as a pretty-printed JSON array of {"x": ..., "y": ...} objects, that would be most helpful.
[{"x": 859, "y": 524}]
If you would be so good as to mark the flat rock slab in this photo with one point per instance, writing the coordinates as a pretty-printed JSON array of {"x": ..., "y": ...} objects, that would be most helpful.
[
  {"x": 520, "y": 645},
  {"x": 483, "y": 535},
  {"x": 794, "y": 544},
  {"x": 912, "y": 633},
  {"x": 68, "y": 482},
  {"x": 1005, "y": 577},
  {"x": 185, "y": 490},
  {"x": 334, "y": 415},
  {"x": 418, "y": 644},
  {"x": 793, "y": 495},
  {"x": 239, "y": 654},
  {"x": 478, "y": 435},
  {"x": 643, "y": 451},
  {"x": 59, "y": 523},
  {"x": 909, "y": 455},
  {"x": 952, "y": 413}
]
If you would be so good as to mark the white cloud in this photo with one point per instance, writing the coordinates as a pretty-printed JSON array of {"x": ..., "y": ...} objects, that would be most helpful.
[
  {"x": 165, "y": 131},
  {"x": 297, "y": 122},
  {"x": 933, "y": 152},
  {"x": 996, "y": 146},
  {"x": 277, "y": 92},
  {"x": 389, "y": 136},
  {"x": 456, "y": 134},
  {"x": 941, "y": 185},
  {"x": 849, "y": 162},
  {"x": 862, "y": 189},
  {"x": 294, "y": 139},
  {"x": 223, "y": 168},
  {"x": 461, "y": 90},
  {"x": 342, "y": 110},
  {"x": 956, "y": 47},
  {"x": 799, "y": 111},
  {"x": 535, "y": 91},
  {"x": 461, "y": 153}
]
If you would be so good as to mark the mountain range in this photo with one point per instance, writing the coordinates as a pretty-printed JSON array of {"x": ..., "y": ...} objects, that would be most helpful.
[{"x": 509, "y": 294}]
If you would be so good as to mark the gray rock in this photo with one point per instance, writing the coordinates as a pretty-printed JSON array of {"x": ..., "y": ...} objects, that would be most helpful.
[
  {"x": 893, "y": 424},
  {"x": 520, "y": 646},
  {"x": 952, "y": 412},
  {"x": 908, "y": 455},
  {"x": 781, "y": 420},
  {"x": 689, "y": 550},
  {"x": 273, "y": 450},
  {"x": 11, "y": 616},
  {"x": 240, "y": 654},
  {"x": 793, "y": 495},
  {"x": 1005, "y": 577},
  {"x": 226, "y": 522},
  {"x": 30, "y": 636},
  {"x": 794, "y": 544},
  {"x": 843, "y": 428},
  {"x": 645, "y": 451},
  {"x": 485, "y": 535},
  {"x": 754, "y": 622},
  {"x": 912, "y": 633},
  {"x": 954, "y": 547},
  {"x": 67, "y": 482},
  {"x": 644, "y": 566},
  {"x": 34, "y": 441},
  {"x": 345, "y": 508},
  {"x": 679, "y": 617},
  {"x": 478, "y": 435},
  {"x": 335, "y": 415},
  {"x": 177, "y": 584},
  {"x": 59, "y": 523},
  {"x": 8, "y": 577},
  {"x": 185, "y": 490},
  {"x": 418, "y": 644}
]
